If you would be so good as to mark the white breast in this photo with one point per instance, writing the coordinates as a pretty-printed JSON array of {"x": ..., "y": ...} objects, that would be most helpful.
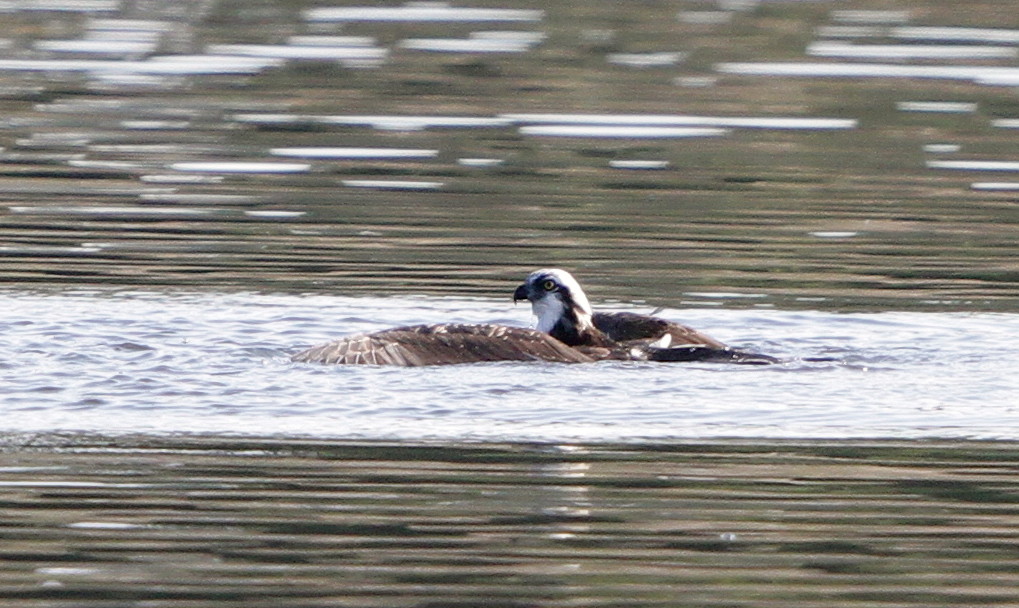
[{"x": 548, "y": 310}]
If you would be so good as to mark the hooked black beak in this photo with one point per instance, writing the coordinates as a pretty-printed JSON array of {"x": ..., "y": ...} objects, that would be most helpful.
[{"x": 520, "y": 293}]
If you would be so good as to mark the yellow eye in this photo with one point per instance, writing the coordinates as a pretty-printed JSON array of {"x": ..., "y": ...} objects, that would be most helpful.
[{"x": 548, "y": 285}]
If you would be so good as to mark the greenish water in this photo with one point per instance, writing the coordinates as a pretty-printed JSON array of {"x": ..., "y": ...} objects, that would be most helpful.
[
  {"x": 132, "y": 521},
  {"x": 191, "y": 191},
  {"x": 109, "y": 173}
]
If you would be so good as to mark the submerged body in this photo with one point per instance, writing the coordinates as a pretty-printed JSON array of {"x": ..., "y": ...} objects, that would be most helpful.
[{"x": 567, "y": 331}]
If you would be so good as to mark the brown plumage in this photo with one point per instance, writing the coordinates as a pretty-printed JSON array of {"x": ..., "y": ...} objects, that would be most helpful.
[
  {"x": 563, "y": 311},
  {"x": 628, "y": 326},
  {"x": 567, "y": 332},
  {"x": 417, "y": 345}
]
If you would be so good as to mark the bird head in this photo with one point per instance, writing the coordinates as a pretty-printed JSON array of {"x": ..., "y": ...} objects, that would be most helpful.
[{"x": 556, "y": 300}]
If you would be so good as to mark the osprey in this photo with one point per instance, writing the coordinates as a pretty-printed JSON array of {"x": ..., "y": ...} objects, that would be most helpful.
[{"x": 567, "y": 331}]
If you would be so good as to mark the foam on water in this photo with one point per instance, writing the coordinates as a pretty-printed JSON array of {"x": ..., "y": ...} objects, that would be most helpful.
[
  {"x": 620, "y": 131},
  {"x": 957, "y": 34},
  {"x": 948, "y": 107},
  {"x": 391, "y": 184},
  {"x": 468, "y": 45},
  {"x": 241, "y": 167},
  {"x": 677, "y": 120},
  {"x": 909, "y": 51},
  {"x": 974, "y": 165},
  {"x": 323, "y": 52},
  {"x": 978, "y": 74},
  {"x": 421, "y": 13},
  {"x": 354, "y": 152}
]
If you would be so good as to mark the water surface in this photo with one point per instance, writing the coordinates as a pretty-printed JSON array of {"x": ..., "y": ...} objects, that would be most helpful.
[
  {"x": 447, "y": 149},
  {"x": 143, "y": 521},
  {"x": 169, "y": 363},
  {"x": 192, "y": 191}
]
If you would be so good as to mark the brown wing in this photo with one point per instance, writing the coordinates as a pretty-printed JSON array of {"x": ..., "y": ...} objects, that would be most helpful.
[
  {"x": 443, "y": 345},
  {"x": 628, "y": 326}
]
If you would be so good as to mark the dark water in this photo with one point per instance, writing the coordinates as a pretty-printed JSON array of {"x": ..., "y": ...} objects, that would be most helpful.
[
  {"x": 295, "y": 146},
  {"x": 191, "y": 191},
  {"x": 142, "y": 522}
]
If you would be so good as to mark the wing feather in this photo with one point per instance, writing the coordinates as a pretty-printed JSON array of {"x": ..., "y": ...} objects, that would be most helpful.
[
  {"x": 644, "y": 335},
  {"x": 418, "y": 345},
  {"x": 630, "y": 326}
]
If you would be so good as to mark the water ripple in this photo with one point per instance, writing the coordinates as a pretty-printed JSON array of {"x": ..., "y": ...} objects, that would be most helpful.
[{"x": 179, "y": 362}]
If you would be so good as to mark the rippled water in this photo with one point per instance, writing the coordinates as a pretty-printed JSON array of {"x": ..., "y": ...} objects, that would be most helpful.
[
  {"x": 191, "y": 191},
  {"x": 185, "y": 363},
  {"x": 445, "y": 149},
  {"x": 90, "y": 522}
]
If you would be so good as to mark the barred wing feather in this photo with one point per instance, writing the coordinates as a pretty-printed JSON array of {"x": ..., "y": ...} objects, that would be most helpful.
[{"x": 449, "y": 344}]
